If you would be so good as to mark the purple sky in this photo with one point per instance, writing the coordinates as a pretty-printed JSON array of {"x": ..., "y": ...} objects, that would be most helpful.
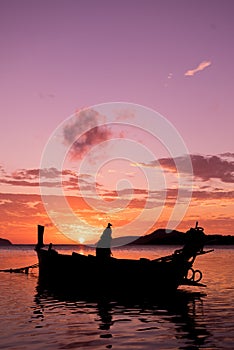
[
  {"x": 57, "y": 56},
  {"x": 173, "y": 56}
]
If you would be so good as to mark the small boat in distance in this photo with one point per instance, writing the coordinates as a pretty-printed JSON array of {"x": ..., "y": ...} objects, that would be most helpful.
[{"x": 101, "y": 276}]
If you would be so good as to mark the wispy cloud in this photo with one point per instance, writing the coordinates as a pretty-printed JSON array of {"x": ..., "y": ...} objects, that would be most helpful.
[
  {"x": 50, "y": 177},
  {"x": 21, "y": 212},
  {"x": 200, "y": 67},
  {"x": 213, "y": 167},
  {"x": 43, "y": 95},
  {"x": 170, "y": 75},
  {"x": 76, "y": 133},
  {"x": 204, "y": 167}
]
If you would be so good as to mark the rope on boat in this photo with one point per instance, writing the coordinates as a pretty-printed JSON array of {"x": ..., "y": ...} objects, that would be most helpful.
[
  {"x": 21, "y": 269},
  {"x": 180, "y": 251}
]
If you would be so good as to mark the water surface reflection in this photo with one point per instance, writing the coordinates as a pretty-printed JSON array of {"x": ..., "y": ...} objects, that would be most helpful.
[{"x": 132, "y": 322}]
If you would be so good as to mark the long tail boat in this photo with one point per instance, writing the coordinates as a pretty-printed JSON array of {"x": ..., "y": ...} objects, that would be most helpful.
[{"x": 95, "y": 275}]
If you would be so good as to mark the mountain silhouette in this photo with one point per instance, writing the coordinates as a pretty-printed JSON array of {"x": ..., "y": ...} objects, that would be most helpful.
[
  {"x": 174, "y": 237},
  {"x": 4, "y": 242}
]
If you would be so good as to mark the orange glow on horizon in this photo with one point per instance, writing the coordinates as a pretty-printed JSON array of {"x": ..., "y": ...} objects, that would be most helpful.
[{"x": 19, "y": 223}]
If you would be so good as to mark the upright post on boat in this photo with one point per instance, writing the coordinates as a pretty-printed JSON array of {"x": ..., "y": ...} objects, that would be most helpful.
[{"x": 40, "y": 232}]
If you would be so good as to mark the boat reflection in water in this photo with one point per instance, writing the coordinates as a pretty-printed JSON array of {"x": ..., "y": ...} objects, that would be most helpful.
[{"x": 133, "y": 321}]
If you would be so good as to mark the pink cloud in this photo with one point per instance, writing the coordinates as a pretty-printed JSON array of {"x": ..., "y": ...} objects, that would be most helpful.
[
  {"x": 85, "y": 131},
  {"x": 50, "y": 178},
  {"x": 204, "y": 167},
  {"x": 91, "y": 138},
  {"x": 208, "y": 167},
  {"x": 200, "y": 67}
]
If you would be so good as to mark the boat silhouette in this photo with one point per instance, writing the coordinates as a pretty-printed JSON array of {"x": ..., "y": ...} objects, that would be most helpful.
[{"x": 120, "y": 276}]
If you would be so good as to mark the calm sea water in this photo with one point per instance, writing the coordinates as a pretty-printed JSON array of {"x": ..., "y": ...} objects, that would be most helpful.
[{"x": 193, "y": 318}]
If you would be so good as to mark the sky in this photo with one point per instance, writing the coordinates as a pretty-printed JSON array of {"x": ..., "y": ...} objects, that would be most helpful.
[{"x": 128, "y": 78}]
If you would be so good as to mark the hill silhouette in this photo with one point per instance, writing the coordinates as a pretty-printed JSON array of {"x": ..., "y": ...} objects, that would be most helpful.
[
  {"x": 4, "y": 242},
  {"x": 174, "y": 237}
]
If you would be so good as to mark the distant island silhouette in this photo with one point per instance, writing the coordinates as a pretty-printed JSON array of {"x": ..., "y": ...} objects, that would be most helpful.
[
  {"x": 159, "y": 237},
  {"x": 4, "y": 242},
  {"x": 162, "y": 237}
]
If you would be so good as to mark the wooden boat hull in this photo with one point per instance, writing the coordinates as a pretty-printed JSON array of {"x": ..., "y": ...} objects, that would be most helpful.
[
  {"x": 100, "y": 276},
  {"x": 79, "y": 272}
]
